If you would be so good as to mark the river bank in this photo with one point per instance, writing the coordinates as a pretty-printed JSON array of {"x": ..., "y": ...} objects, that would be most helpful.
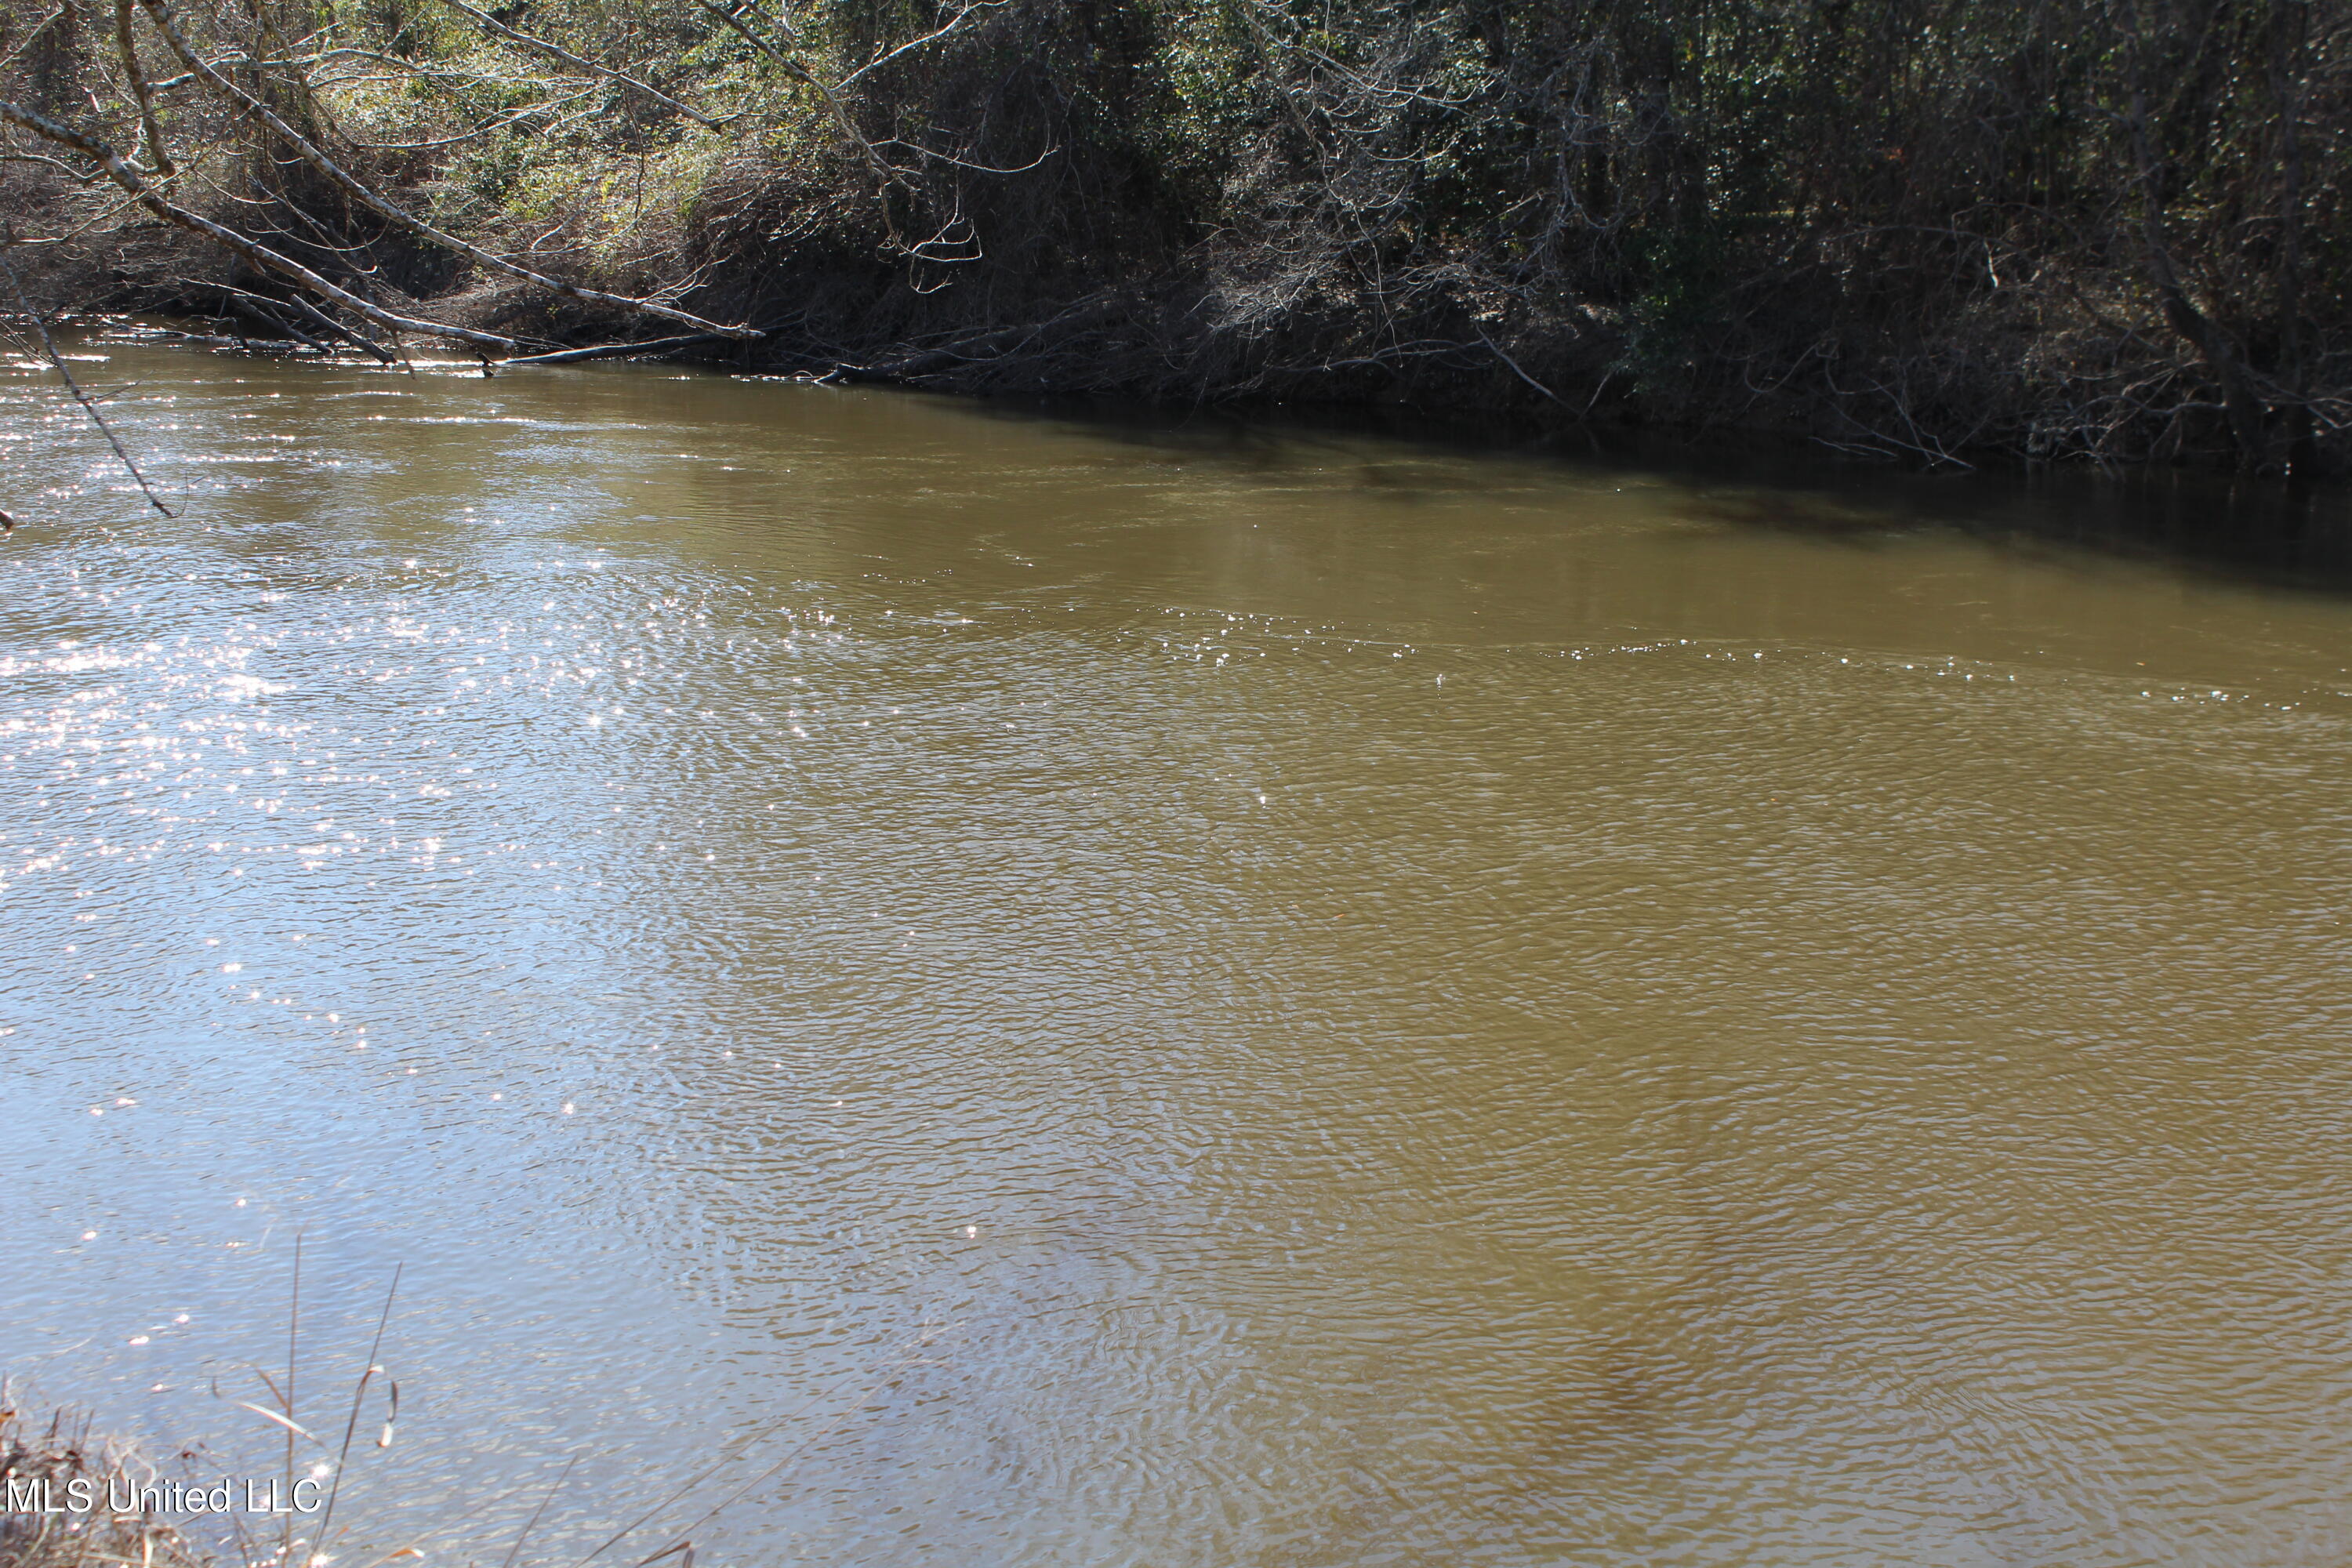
[
  {"x": 1168, "y": 339},
  {"x": 2056, "y": 232}
]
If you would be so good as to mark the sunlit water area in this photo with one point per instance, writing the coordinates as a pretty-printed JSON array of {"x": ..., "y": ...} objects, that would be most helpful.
[{"x": 964, "y": 986}]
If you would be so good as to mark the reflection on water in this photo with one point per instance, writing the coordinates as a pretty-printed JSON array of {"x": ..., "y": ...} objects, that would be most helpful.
[{"x": 1181, "y": 997}]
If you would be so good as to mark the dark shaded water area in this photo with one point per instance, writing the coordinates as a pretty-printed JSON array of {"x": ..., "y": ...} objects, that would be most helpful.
[
  {"x": 1079, "y": 991},
  {"x": 2259, "y": 528}
]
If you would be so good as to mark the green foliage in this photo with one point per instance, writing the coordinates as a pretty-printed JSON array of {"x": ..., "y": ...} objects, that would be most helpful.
[{"x": 1685, "y": 274}]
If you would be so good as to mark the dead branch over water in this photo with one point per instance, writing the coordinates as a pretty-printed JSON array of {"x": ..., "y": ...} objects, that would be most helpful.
[{"x": 40, "y": 333}]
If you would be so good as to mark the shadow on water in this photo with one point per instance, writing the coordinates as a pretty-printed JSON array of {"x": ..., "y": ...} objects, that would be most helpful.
[
  {"x": 2264, "y": 530},
  {"x": 2260, "y": 529}
]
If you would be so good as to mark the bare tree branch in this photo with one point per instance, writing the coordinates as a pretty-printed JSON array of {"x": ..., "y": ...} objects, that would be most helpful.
[
  {"x": 259, "y": 255},
  {"x": 934, "y": 36},
  {"x": 556, "y": 51},
  {"x": 884, "y": 172},
  {"x": 128, "y": 47},
  {"x": 89, "y": 403},
  {"x": 367, "y": 194}
]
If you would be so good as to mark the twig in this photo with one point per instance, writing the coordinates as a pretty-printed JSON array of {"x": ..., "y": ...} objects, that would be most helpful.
[
  {"x": 501, "y": 29},
  {"x": 532, "y": 1523},
  {"x": 369, "y": 196},
  {"x": 886, "y": 175},
  {"x": 259, "y": 255},
  {"x": 724, "y": 1459},
  {"x": 342, "y": 1454},
  {"x": 1522, "y": 375},
  {"x": 293, "y": 1330},
  {"x": 248, "y": 306},
  {"x": 614, "y": 351},
  {"x": 838, "y": 1422},
  {"x": 128, "y": 47},
  {"x": 382, "y": 355},
  {"x": 958, "y": 20},
  {"x": 89, "y": 403}
]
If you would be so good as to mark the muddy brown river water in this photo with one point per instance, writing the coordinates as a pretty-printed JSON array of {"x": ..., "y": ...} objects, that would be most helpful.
[{"x": 1049, "y": 993}]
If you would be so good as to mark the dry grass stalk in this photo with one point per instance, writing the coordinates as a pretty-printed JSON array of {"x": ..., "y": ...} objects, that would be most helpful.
[{"x": 46, "y": 1459}]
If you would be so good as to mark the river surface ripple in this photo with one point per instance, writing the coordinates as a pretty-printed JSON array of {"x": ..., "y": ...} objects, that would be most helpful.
[{"x": 1179, "y": 996}]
